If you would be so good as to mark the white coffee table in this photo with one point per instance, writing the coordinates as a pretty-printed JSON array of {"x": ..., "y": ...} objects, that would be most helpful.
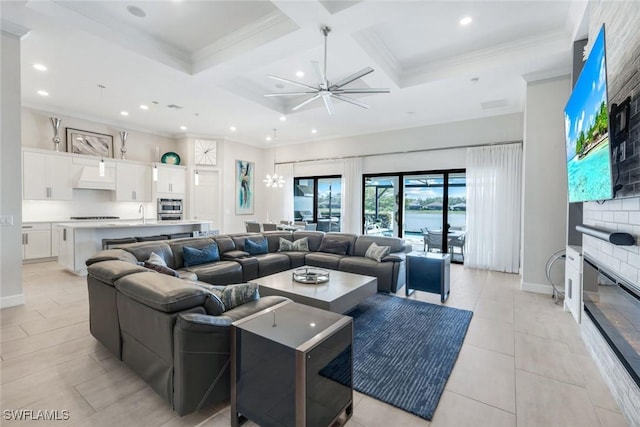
[{"x": 342, "y": 293}]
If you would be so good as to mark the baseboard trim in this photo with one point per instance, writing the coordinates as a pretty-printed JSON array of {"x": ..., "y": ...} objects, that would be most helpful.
[
  {"x": 536, "y": 287},
  {"x": 12, "y": 301}
]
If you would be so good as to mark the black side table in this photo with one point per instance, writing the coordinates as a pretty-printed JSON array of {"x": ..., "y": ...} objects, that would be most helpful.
[{"x": 428, "y": 272}]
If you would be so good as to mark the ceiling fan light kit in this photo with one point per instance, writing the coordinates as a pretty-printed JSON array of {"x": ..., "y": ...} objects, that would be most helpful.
[{"x": 325, "y": 89}]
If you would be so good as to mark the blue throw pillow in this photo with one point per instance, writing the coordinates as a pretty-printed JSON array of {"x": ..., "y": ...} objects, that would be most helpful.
[
  {"x": 255, "y": 248},
  {"x": 193, "y": 256}
]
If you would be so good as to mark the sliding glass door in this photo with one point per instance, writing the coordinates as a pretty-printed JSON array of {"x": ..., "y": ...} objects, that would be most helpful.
[
  {"x": 418, "y": 206},
  {"x": 317, "y": 200}
]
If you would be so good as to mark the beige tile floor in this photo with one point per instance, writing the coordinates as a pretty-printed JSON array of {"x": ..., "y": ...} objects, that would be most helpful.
[{"x": 522, "y": 363}]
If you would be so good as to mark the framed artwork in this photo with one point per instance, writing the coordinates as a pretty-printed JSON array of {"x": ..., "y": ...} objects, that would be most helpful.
[
  {"x": 244, "y": 187},
  {"x": 90, "y": 143}
]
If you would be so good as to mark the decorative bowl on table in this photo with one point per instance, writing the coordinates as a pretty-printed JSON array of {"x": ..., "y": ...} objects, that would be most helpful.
[{"x": 310, "y": 276}]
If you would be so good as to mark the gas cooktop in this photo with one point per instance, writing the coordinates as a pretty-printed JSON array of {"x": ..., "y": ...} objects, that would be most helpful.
[{"x": 94, "y": 217}]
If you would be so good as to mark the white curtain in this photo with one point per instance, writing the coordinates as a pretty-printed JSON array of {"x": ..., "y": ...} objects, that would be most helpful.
[
  {"x": 494, "y": 193},
  {"x": 281, "y": 199},
  {"x": 351, "y": 203}
]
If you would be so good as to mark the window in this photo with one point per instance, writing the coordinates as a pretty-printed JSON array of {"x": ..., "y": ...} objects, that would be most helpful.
[{"x": 318, "y": 200}]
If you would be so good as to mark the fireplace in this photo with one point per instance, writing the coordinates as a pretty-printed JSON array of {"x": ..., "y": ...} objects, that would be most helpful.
[{"x": 613, "y": 305}]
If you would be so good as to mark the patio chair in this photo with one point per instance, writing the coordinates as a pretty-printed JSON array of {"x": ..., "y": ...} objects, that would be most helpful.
[
  {"x": 457, "y": 242},
  {"x": 253, "y": 227},
  {"x": 313, "y": 226},
  {"x": 432, "y": 241}
]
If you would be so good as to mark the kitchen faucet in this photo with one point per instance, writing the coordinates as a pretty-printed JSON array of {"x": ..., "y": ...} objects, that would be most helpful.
[{"x": 141, "y": 210}]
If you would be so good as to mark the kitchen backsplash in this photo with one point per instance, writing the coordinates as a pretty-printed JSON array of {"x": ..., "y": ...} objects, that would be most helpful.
[{"x": 84, "y": 203}]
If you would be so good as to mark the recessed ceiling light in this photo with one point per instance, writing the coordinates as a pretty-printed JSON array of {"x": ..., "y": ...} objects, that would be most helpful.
[
  {"x": 475, "y": 80},
  {"x": 299, "y": 73},
  {"x": 39, "y": 67},
  {"x": 466, "y": 20},
  {"x": 136, "y": 11},
  {"x": 232, "y": 128},
  {"x": 268, "y": 138},
  {"x": 124, "y": 113},
  {"x": 43, "y": 93},
  {"x": 314, "y": 131},
  {"x": 183, "y": 127},
  {"x": 283, "y": 118},
  {"x": 144, "y": 107},
  {"x": 279, "y": 86}
]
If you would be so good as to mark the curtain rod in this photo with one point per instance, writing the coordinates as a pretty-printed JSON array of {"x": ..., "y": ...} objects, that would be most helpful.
[{"x": 424, "y": 150}]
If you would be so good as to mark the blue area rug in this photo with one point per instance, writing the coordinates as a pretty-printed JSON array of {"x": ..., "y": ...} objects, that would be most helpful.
[{"x": 404, "y": 350}]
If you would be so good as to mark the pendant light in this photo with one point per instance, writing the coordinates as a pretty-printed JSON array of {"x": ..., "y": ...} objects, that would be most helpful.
[
  {"x": 155, "y": 164},
  {"x": 101, "y": 167},
  {"x": 275, "y": 180},
  {"x": 196, "y": 178},
  {"x": 101, "y": 164}
]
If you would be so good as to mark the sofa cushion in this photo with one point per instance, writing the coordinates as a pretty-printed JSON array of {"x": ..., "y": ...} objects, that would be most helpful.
[
  {"x": 323, "y": 260},
  {"x": 187, "y": 275},
  {"x": 273, "y": 238},
  {"x": 110, "y": 271},
  {"x": 143, "y": 250},
  {"x": 218, "y": 273},
  {"x": 272, "y": 263},
  {"x": 163, "y": 269},
  {"x": 376, "y": 252},
  {"x": 163, "y": 293},
  {"x": 297, "y": 245},
  {"x": 253, "y": 247},
  {"x": 296, "y": 259},
  {"x": 363, "y": 242},
  {"x": 334, "y": 247},
  {"x": 112, "y": 255},
  {"x": 314, "y": 238},
  {"x": 194, "y": 256},
  {"x": 177, "y": 245}
]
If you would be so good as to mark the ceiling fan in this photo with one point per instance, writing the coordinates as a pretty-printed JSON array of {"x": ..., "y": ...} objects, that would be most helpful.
[{"x": 325, "y": 89}]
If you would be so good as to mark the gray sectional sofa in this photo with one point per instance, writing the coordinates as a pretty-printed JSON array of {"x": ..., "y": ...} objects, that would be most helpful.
[{"x": 169, "y": 331}]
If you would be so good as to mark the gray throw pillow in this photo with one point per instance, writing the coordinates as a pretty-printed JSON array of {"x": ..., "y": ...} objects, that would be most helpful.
[
  {"x": 236, "y": 295},
  {"x": 156, "y": 259},
  {"x": 301, "y": 245},
  {"x": 338, "y": 247},
  {"x": 377, "y": 252}
]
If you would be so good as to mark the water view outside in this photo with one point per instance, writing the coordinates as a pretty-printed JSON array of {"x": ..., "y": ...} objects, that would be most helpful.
[{"x": 327, "y": 202}]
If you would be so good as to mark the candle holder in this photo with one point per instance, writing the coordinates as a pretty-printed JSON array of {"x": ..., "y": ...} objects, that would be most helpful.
[
  {"x": 123, "y": 139},
  {"x": 55, "y": 122}
]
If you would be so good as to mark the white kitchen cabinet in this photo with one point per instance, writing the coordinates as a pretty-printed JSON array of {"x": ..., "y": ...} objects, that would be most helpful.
[
  {"x": 133, "y": 183},
  {"x": 66, "y": 254},
  {"x": 36, "y": 241},
  {"x": 171, "y": 180},
  {"x": 46, "y": 177},
  {"x": 55, "y": 241},
  {"x": 573, "y": 283}
]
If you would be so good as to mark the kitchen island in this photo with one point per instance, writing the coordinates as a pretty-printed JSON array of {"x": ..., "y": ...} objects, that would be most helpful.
[{"x": 80, "y": 240}]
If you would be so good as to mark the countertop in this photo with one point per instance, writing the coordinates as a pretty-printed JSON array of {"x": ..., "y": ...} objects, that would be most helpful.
[{"x": 136, "y": 223}]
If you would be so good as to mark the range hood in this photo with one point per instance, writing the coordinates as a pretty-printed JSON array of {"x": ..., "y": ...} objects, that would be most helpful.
[{"x": 87, "y": 176}]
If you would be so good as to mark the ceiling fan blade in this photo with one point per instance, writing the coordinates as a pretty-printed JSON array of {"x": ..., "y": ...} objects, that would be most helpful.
[
  {"x": 289, "y": 93},
  {"x": 350, "y": 100},
  {"x": 320, "y": 74},
  {"x": 292, "y": 82},
  {"x": 328, "y": 103},
  {"x": 351, "y": 78},
  {"x": 363, "y": 90},
  {"x": 303, "y": 103}
]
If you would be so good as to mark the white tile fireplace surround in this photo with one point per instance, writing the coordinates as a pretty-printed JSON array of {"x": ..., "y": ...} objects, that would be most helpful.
[{"x": 624, "y": 261}]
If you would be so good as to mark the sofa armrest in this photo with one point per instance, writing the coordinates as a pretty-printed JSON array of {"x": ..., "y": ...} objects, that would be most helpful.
[
  {"x": 395, "y": 257},
  {"x": 234, "y": 255},
  {"x": 202, "y": 322}
]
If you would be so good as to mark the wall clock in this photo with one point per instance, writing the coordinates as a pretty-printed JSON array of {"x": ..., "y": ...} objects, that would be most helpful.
[{"x": 205, "y": 152}]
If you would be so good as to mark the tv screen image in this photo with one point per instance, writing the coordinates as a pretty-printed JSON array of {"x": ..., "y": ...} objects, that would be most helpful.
[{"x": 587, "y": 130}]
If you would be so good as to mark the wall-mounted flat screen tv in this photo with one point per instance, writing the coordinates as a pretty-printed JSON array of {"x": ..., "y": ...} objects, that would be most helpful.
[{"x": 587, "y": 130}]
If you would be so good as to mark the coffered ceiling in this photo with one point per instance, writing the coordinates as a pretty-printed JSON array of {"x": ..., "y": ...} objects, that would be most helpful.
[{"x": 212, "y": 58}]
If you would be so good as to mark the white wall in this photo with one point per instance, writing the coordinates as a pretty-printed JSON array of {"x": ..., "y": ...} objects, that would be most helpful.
[
  {"x": 11, "y": 172},
  {"x": 544, "y": 180},
  {"x": 230, "y": 151},
  {"x": 37, "y": 132},
  {"x": 447, "y": 135}
]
